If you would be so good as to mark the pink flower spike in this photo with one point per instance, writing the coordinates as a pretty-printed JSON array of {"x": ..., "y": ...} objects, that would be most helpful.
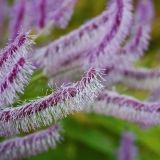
[
  {"x": 116, "y": 34},
  {"x": 30, "y": 145},
  {"x": 127, "y": 149},
  {"x": 14, "y": 51},
  {"x": 74, "y": 43},
  {"x": 14, "y": 81},
  {"x": 16, "y": 18},
  {"x": 127, "y": 108},
  {"x": 141, "y": 78},
  {"x": 139, "y": 41},
  {"x": 56, "y": 105},
  {"x": 63, "y": 14},
  {"x": 137, "y": 78}
]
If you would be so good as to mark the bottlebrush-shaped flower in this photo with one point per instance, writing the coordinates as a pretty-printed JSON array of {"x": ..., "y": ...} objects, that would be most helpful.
[
  {"x": 30, "y": 145},
  {"x": 127, "y": 108},
  {"x": 14, "y": 51},
  {"x": 127, "y": 149},
  {"x": 138, "y": 78},
  {"x": 74, "y": 43},
  {"x": 116, "y": 34},
  {"x": 139, "y": 38},
  {"x": 14, "y": 68},
  {"x": 140, "y": 34},
  {"x": 17, "y": 15},
  {"x": 141, "y": 78},
  {"x": 115, "y": 69},
  {"x": 56, "y": 105},
  {"x": 63, "y": 14},
  {"x": 14, "y": 81},
  {"x": 59, "y": 12},
  {"x": 116, "y": 65}
]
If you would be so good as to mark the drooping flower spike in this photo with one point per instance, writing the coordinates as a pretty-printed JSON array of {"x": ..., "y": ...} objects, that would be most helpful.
[
  {"x": 134, "y": 48},
  {"x": 145, "y": 79},
  {"x": 74, "y": 43},
  {"x": 12, "y": 52},
  {"x": 15, "y": 69},
  {"x": 138, "y": 41},
  {"x": 59, "y": 12},
  {"x": 14, "y": 81},
  {"x": 41, "y": 112},
  {"x": 140, "y": 32},
  {"x": 127, "y": 149},
  {"x": 63, "y": 14},
  {"x": 127, "y": 108},
  {"x": 116, "y": 34},
  {"x": 17, "y": 15},
  {"x": 30, "y": 145}
]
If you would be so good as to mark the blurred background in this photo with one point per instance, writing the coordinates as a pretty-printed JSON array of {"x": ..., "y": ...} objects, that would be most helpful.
[{"x": 90, "y": 136}]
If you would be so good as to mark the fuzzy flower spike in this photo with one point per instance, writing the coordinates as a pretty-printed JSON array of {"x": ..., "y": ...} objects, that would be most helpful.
[
  {"x": 15, "y": 69},
  {"x": 41, "y": 112},
  {"x": 125, "y": 107},
  {"x": 30, "y": 145},
  {"x": 127, "y": 149},
  {"x": 115, "y": 34}
]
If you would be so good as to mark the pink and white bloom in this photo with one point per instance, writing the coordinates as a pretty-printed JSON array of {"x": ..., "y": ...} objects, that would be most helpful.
[{"x": 30, "y": 145}]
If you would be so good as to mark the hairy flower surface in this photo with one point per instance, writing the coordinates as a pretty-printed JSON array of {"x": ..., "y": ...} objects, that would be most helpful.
[
  {"x": 128, "y": 108},
  {"x": 30, "y": 145},
  {"x": 52, "y": 57},
  {"x": 15, "y": 69},
  {"x": 16, "y": 19},
  {"x": 140, "y": 78},
  {"x": 55, "y": 106},
  {"x": 46, "y": 11},
  {"x": 117, "y": 31}
]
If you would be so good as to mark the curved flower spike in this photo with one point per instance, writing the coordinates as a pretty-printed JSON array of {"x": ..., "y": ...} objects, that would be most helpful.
[
  {"x": 30, "y": 145},
  {"x": 57, "y": 105},
  {"x": 14, "y": 51},
  {"x": 116, "y": 34},
  {"x": 17, "y": 15},
  {"x": 127, "y": 149},
  {"x": 139, "y": 78},
  {"x": 59, "y": 12},
  {"x": 63, "y": 14},
  {"x": 14, "y": 68},
  {"x": 140, "y": 34},
  {"x": 74, "y": 44},
  {"x": 127, "y": 108},
  {"x": 136, "y": 45},
  {"x": 14, "y": 81}
]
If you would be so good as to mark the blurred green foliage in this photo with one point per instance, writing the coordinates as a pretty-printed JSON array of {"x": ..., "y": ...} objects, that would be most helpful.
[{"x": 94, "y": 137}]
